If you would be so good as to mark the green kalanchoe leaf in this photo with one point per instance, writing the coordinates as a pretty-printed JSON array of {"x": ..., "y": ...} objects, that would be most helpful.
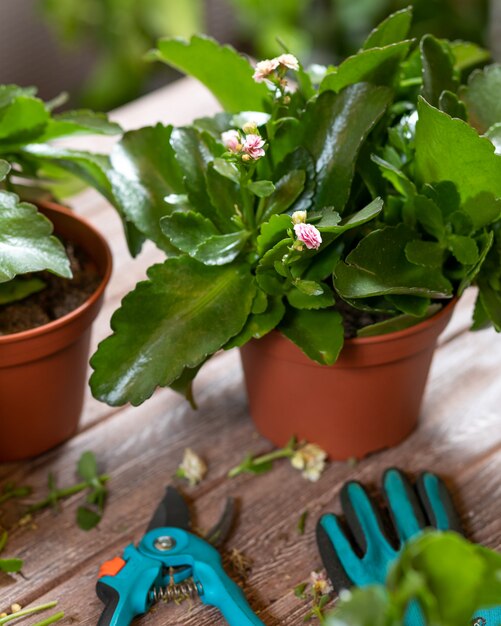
[
  {"x": 226, "y": 198},
  {"x": 4, "y": 169},
  {"x": 22, "y": 120},
  {"x": 301, "y": 300},
  {"x": 144, "y": 172},
  {"x": 319, "y": 334},
  {"x": 450, "y": 103},
  {"x": 187, "y": 230},
  {"x": 183, "y": 313},
  {"x": 378, "y": 66},
  {"x": 261, "y": 188},
  {"x": 394, "y": 324},
  {"x": 482, "y": 97},
  {"x": 220, "y": 68},
  {"x": 329, "y": 222},
  {"x": 335, "y": 127},
  {"x": 80, "y": 122},
  {"x": 260, "y": 324},
  {"x": 425, "y": 253},
  {"x": 393, "y": 29},
  {"x": 272, "y": 232},
  {"x": 221, "y": 249},
  {"x": 378, "y": 266},
  {"x": 472, "y": 165},
  {"x": 438, "y": 69},
  {"x": 18, "y": 289},
  {"x": 26, "y": 241}
]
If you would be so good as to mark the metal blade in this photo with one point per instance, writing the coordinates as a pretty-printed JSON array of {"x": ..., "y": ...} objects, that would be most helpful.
[
  {"x": 172, "y": 511},
  {"x": 218, "y": 535}
]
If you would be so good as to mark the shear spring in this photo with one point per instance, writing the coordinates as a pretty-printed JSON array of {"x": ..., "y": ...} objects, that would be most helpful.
[{"x": 176, "y": 592}]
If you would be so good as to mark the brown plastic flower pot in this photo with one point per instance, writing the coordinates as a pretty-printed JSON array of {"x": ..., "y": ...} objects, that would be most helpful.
[
  {"x": 43, "y": 370},
  {"x": 368, "y": 400}
]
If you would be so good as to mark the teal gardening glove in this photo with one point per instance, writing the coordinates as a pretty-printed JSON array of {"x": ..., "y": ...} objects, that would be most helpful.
[{"x": 411, "y": 510}]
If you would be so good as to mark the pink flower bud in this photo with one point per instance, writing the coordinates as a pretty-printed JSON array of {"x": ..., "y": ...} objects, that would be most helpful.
[
  {"x": 264, "y": 69},
  {"x": 288, "y": 60},
  {"x": 309, "y": 235},
  {"x": 253, "y": 146},
  {"x": 231, "y": 140}
]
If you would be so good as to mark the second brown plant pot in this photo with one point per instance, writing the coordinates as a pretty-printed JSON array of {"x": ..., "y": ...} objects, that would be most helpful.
[
  {"x": 43, "y": 371},
  {"x": 368, "y": 400}
]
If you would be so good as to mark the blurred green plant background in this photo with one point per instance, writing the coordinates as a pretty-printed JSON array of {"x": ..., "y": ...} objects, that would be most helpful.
[{"x": 115, "y": 34}]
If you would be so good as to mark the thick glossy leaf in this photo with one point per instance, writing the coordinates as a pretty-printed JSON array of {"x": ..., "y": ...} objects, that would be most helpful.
[
  {"x": 395, "y": 176},
  {"x": 429, "y": 215},
  {"x": 185, "y": 312},
  {"x": 8, "y": 93},
  {"x": 394, "y": 324},
  {"x": 491, "y": 302},
  {"x": 378, "y": 66},
  {"x": 464, "y": 249},
  {"x": 184, "y": 384},
  {"x": 335, "y": 127},
  {"x": 221, "y": 249},
  {"x": 319, "y": 334},
  {"x": 187, "y": 230},
  {"x": 227, "y": 169},
  {"x": 144, "y": 172},
  {"x": 438, "y": 69},
  {"x": 225, "y": 196},
  {"x": 262, "y": 188},
  {"x": 272, "y": 232},
  {"x": 4, "y": 169},
  {"x": 287, "y": 190},
  {"x": 323, "y": 263},
  {"x": 259, "y": 325},
  {"x": 412, "y": 305},
  {"x": 426, "y": 253},
  {"x": 78, "y": 123},
  {"x": 26, "y": 241},
  {"x": 468, "y": 54},
  {"x": 485, "y": 242},
  {"x": 393, "y": 29},
  {"x": 379, "y": 266},
  {"x": 472, "y": 166},
  {"x": 18, "y": 289},
  {"x": 220, "y": 68},
  {"x": 94, "y": 169},
  {"x": 300, "y": 300},
  {"x": 266, "y": 274},
  {"x": 365, "y": 606},
  {"x": 482, "y": 97},
  {"x": 450, "y": 103},
  {"x": 22, "y": 120},
  {"x": 354, "y": 220},
  {"x": 193, "y": 157}
]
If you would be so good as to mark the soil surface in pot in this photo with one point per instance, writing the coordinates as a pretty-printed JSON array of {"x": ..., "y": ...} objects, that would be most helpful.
[
  {"x": 59, "y": 297},
  {"x": 354, "y": 319}
]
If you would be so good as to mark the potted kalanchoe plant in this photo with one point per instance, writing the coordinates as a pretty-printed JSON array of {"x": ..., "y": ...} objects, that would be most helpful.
[
  {"x": 325, "y": 226},
  {"x": 54, "y": 267}
]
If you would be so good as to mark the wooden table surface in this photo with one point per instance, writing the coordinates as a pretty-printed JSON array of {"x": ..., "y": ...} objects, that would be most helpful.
[{"x": 459, "y": 437}]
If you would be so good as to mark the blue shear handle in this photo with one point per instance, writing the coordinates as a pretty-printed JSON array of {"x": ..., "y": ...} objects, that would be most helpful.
[{"x": 220, "y": 591}]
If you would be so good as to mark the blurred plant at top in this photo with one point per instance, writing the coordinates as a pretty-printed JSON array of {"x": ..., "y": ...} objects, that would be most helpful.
[
  {"x": 120, "y": 31},
  {"x": 27, "y": 245},
  {"x": 334, "y": 29}
]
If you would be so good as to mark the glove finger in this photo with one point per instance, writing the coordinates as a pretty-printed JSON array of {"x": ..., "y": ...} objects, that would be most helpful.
[
  {"x": 437, "y": 503},
  {"x": 336, "y": 551},
  {"x": 403, "y": 504},
  {"x": 363, "y": 518}
]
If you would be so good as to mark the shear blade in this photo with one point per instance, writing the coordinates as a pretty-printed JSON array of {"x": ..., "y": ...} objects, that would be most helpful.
[
  {"x": 172, "y": 511},
  {"x": 218, "y": 535}
]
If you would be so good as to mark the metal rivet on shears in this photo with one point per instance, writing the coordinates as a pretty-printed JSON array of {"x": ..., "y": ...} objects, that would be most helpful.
[{"x": 165, "y": 543}]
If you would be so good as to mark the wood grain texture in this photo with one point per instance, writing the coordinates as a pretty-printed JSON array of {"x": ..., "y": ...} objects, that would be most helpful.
[{"x": 459, "y": 437}]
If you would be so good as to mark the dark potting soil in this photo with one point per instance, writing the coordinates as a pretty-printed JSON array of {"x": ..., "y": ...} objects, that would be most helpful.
[
  {"x": 59, "y": 297},
  {"x": 354, "y": 319}
]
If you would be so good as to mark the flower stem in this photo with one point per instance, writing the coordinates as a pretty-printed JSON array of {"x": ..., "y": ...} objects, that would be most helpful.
[
  {"x": 17, "y": 492},
  {"x": 59, "y": 494},
  {"x": 275, "y": 455},
  {"x": 51, "y": 620},
  {"x": 24, "y": 612}
]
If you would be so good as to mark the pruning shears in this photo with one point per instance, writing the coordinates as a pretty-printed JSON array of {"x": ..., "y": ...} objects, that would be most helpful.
[{"x": 171, "y": 563}]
